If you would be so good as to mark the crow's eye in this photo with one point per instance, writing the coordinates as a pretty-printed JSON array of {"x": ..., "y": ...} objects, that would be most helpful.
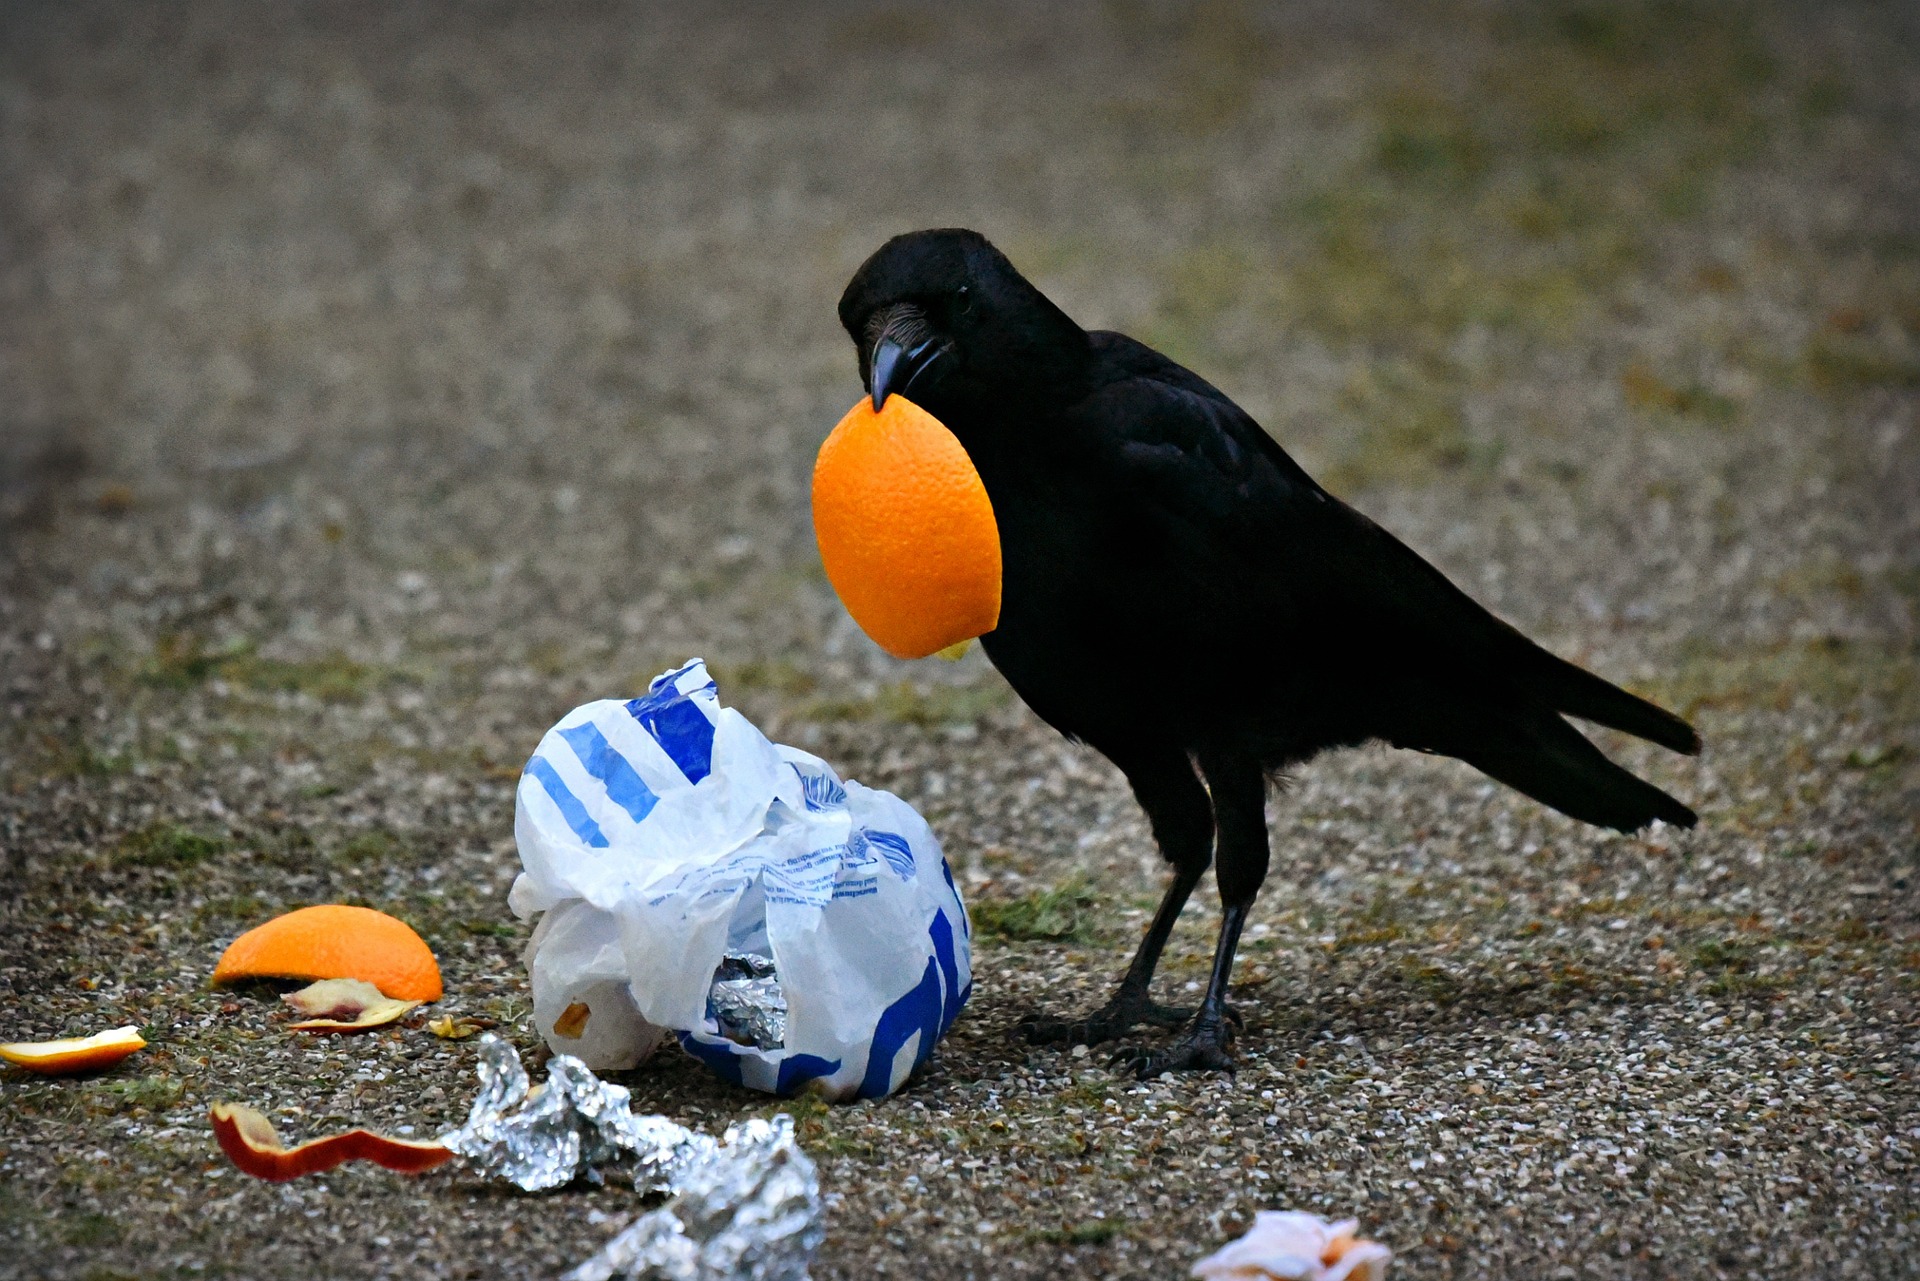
[{"x": 963, "y": 300}]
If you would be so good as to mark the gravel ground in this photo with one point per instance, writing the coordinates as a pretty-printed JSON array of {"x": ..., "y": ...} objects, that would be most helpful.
[{"x": 376, "y": 383}]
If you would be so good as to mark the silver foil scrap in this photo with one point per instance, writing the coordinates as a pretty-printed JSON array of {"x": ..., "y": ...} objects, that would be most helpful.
[
  {"x": 545, "y": 1136},
  {"x": 745, "y": 1208},
  {"x": 747, "y": 1211},
  {"x": 746, "y": 1002}
]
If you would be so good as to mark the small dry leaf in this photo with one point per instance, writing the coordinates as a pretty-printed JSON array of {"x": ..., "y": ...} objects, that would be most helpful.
[
  {"x": 448, "y": 1028},
  {"x": 344, "y": 1005}
]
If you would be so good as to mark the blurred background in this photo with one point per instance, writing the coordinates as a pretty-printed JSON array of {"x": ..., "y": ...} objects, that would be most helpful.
[
  {"x": 377, "y": 382},
  {"x": 487, "y": 334}
]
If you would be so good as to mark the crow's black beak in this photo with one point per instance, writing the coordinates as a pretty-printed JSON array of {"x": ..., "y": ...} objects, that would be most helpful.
[{"x": 904, "y": 350}]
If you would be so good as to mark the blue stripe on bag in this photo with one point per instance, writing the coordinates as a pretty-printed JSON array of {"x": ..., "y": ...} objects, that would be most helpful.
[
  {"x": 604, "y": 762},
  {"x": 729, "y": 1063},
  {"x": 798, "y": 1069},
  {"x": 943, "y": 952},
  {"x": 680, "y": 728},
  {"x": 894, "y": 848},
  {"x": 569, "y": 805},
  {"x": 821, "y": 792},
  {"x": 726, "y": 1064},
  {"x": 917, "y": 1011},
  {"x": 966, "y": 924}
]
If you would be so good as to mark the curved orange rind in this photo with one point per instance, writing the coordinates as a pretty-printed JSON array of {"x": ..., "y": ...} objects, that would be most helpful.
[
  {"x": 250, "y": 1142},
  {"x": 906, "y": 530},
  {"x": 336, "y": 941},
  {"x": 75, "y": 1054}
]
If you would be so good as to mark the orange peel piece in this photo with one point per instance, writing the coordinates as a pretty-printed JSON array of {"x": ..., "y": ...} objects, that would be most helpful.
[
  {"x": 906, "y": 530},
  {"x": 336, "y": 941},
  {"x": 344, "y": 1005},
  {"x": 75, "y": 1053},
  {"x": 572, "y": 1022},
  {"x": 250, "y": 1142}
]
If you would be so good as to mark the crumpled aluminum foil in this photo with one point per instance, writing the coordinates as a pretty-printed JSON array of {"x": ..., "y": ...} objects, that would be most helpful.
[
  {"x": 745, "y": 1208},
  {"x": 747, "y": 1211},
  {"x": 540, "y": 1137},
  {"x": 747, "y": 1003}
]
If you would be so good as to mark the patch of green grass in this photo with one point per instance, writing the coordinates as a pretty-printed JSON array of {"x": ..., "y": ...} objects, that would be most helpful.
[
  {"x": 181, "y": 660},
  {"x": 1839, "y": 363},
  {"x": 68, "y": 754},
  {"x": 1431, "y": 981},
  {"x": 1406, "y": 423},
  {"x": 148, "y": 1093},
  {"x": 1588, "y": 127},
  {"x": 232, "y": 907},
  {"x": 1062, "y": 913},
  {"x": 1404, "y": 279},
  {"x": 169, "y": 845},
  {"x": 1646, "y": 391},
  {"x": 1215, "y": 54},
  {"x": 1377, "y": 924},
  {"x": 1723, "y": 954},
  {"x": 1423, "y": 137},
  {"x": 1087, "y": 1232},
  {"x": 1732, "y": 968},
  {"x": 376, "y": 845},
  {"x": 780, "y": 676},
  {"x": 905, "y": 703},
  {"x": 1834, "y": 671},
  {"x": 490, "y": 929},
  {"x": 332, "y": 678},
  {"x": 89, "y": 1228},
  {"x": 1878, "y": 760},
  {"x": 820, "y": 1127}
]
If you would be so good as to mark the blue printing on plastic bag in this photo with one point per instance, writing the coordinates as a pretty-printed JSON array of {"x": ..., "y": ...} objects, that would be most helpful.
[
  {"x": 569, "y": 805},
  {"x": 678, "y": 723},
  {"x": 603, "y": 760},
  {"x": 928, "y": 1009}
]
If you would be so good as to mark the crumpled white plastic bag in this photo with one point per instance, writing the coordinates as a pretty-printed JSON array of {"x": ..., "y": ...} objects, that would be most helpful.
[{"x": 661, "y": 833}]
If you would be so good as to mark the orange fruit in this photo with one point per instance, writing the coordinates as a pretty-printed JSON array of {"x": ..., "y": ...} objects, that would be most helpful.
[
  {"x": 906, "y": 529},
  {"x": 74, "y": 1054},
  {"x": 336, "y": 942}
]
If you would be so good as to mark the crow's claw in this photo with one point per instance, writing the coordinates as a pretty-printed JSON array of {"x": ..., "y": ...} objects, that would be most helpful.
[
  {"x": 1205, "y": 1047},
  {"x": 1108, "y": 1023}
]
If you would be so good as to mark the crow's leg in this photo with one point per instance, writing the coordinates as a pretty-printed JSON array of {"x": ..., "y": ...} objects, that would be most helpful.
[
  {"x": 1182, "y": 820},
  {"x": 1239, "y": 789}
]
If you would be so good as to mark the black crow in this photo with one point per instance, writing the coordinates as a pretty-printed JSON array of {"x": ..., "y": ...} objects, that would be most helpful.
[{"x": 1151, "y": 532}]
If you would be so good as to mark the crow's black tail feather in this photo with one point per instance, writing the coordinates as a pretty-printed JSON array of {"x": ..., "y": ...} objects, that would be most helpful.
[
  {"x": 1551, "y": 761},
  {"x": 1577, "y": 692}
]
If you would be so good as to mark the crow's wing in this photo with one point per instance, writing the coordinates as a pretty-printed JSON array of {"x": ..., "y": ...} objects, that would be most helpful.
[{"x": 1293, "y": 557}]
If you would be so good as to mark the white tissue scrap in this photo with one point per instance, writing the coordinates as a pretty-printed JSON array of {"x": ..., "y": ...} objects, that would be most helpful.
[
  {"x": 1292, "y": 1245},
  {"x": 748, "y": 1210}
]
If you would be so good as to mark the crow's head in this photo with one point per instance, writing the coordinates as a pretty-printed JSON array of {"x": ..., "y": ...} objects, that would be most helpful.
[{"x": 944, "y": 319}]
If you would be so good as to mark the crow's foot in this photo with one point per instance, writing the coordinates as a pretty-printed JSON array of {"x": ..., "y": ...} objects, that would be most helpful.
[
  {"x": 1119, "y": 1016},
  {"x": 1208, "y": 1046}
]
